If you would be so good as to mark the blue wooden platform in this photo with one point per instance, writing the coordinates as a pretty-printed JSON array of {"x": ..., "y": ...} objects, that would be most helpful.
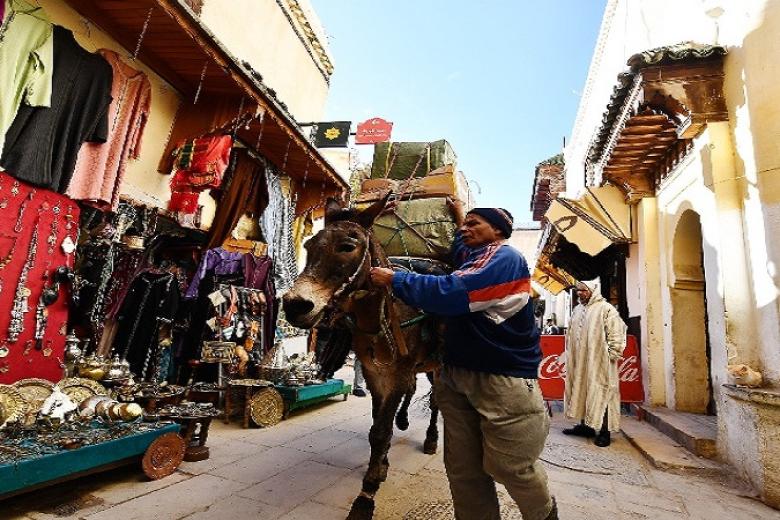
[
  {"x": 27, "y": 474},
  {"x": 296, "y": 397}
]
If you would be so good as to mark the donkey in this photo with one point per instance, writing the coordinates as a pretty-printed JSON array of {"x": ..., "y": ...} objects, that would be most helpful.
[{"x": 393, "y": 341}]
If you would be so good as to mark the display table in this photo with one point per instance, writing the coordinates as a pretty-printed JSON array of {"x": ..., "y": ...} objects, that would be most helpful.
[
  {"x": 296, "y": 397},
  {"x": 29, "y": 464}
]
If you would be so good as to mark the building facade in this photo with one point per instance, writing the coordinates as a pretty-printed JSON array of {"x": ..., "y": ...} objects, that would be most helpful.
[{"x": 682, "y": 119}]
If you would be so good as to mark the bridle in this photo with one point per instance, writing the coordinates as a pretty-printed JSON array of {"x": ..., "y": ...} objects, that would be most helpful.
[{"x": 389, "y": 324}]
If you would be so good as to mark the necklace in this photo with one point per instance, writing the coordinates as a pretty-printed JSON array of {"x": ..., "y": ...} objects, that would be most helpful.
[
  {"x": 52, "y": 239},
  {"x": 22, "y": 207},
  {"x": 20, "y": 305},
  {"x": 8, "y": 257}
]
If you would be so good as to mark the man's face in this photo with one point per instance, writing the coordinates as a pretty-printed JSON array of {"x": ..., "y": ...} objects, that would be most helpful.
[
  {"x": 583, "y": 293},
  {"x": 477, "y": 231}
]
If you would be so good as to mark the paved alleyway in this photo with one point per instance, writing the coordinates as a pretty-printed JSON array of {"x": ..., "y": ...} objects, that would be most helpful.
[{"x": 310, "y": 466}]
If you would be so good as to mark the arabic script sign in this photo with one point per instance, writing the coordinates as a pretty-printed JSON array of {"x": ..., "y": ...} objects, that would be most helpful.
[{"x": 374, "y": 130}]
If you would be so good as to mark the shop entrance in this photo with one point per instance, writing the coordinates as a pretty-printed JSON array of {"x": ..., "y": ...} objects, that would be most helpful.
[{"x": 690, "y": 337}]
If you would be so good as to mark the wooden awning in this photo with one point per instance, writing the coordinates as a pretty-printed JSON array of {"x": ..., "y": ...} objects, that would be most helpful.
[
  {"x": 657, "y": 108},
  {"x": 178, "y": 47}
]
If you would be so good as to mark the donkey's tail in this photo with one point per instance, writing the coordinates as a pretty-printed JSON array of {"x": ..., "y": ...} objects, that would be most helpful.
[{"x": 402, "y": 417}]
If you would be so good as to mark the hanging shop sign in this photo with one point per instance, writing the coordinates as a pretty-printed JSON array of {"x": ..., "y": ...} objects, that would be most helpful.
[
  {"x": 374, "y": 130},
  {"x": 334, "y": 134},
  {"x": 552, "y": 371}
]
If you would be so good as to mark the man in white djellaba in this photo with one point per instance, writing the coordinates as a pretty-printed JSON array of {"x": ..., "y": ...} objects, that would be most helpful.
[{"x": 594, "y": 345}]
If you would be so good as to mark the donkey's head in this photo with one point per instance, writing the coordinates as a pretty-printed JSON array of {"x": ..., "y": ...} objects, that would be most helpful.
[{"x": 336, "y": 263}]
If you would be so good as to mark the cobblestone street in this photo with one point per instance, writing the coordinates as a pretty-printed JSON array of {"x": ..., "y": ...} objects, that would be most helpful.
[{"x": 311, "y": 465}]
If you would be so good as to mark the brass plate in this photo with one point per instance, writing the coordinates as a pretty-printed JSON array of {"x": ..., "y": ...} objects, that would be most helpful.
[
  {"x": 80, "y": 388},
  {"x": 163, "y": 456},
  {"x": 266, "y": 407},
  {"x": 34, "y": 391},
  {"x": 12, "y": 404}
]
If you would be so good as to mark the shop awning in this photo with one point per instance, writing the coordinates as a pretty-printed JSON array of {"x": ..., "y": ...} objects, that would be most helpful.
[
  {"x": 545, "y": 273},
  {"x": 593, "y": 222},
  {"x": 178, "y": 47}
]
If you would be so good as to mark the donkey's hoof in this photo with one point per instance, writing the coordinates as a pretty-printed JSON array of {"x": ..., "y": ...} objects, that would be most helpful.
[
  {"x": 362, "y": 509},
  {"x": 402, "y": 422},
  {"x": 430, "y": 447}
]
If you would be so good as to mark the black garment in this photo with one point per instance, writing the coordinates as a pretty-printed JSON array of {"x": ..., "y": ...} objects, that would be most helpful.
[
  {"x": 43, "y": 143},
  {"x": 153, "y": 298}
]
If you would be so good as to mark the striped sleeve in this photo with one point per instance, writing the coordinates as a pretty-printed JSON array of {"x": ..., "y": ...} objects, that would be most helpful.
[{"x": 496, "y": 282}]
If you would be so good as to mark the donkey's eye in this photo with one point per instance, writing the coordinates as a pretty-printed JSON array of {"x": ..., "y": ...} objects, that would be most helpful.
[{"x": 346, "y": 247}]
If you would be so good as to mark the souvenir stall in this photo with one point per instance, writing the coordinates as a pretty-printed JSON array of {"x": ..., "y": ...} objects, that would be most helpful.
[{"x": 115, "y": 311}]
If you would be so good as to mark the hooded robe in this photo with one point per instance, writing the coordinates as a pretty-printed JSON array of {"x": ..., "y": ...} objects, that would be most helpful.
[{"x": 594, "y": 345}]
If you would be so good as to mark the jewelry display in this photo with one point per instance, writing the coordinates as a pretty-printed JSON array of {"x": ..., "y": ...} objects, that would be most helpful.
[
  {"x": 28, "y": 345},
  {"x": 15, "y": 189},
  {"x": 20, "y": 304},
  {"x": 52, "y": 239},
  {"x": 22, "y": 207},
  {"x": 8, "y": 257},
  {"x": 4, "y": 350}
]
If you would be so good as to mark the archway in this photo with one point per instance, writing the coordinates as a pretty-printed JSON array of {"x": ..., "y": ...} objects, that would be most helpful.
[{"x": 690, "y": 338}]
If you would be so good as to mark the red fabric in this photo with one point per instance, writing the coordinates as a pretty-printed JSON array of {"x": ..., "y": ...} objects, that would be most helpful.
[
  {"x": 552, "y": 372},
  {"x": 34, "y": 364},
  {"x": 184, "y": 202},
  {"x": 202, "y": 162}
]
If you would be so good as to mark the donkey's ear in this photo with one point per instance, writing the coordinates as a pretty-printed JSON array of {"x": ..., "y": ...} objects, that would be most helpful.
[
  {"x": 366, "y": 217},
  {"x": 333, "y": 209}
]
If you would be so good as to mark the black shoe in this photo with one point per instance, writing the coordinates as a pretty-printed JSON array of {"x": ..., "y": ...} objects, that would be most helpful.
[
  {"x": 580, "y": 431},
  {"x": 603, "y": 439},
  {"x": 359, "y": 392},
  {"x": 553, "y": 512}
]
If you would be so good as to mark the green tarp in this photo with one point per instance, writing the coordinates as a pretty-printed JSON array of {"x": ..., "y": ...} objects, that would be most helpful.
[
  {"x": 407, "y": 160},
  {"x": 420, "y": 227}
]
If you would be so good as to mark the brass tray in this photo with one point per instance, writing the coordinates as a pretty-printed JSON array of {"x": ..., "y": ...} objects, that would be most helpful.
[
  {"x": 266, "y": 407},
  {"x": 12, "y": 404},
  {"x": 80, "y": 388},
  {"x": 34, "y": 391}
]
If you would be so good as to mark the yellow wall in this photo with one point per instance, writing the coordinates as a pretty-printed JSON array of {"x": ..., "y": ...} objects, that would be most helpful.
[{"x": 259, "y": 32}]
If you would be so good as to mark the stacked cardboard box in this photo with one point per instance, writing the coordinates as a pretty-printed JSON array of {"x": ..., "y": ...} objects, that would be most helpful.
[{"x": 422, "y": 223}]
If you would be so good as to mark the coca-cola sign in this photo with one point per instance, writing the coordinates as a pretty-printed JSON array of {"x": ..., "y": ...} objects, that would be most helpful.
[{"x": 552, "y": 370}]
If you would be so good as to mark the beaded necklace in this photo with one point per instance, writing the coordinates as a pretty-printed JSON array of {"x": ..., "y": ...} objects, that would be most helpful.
[{"x": 20, "y": 306}]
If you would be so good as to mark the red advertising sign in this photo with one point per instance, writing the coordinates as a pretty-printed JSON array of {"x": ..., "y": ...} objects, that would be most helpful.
[
  {"x": 372, "y": 131},
  {"x": 552, "y": 372}
]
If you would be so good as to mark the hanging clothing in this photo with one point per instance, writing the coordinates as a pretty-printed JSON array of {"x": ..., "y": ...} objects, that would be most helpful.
[
  {"x": 258, "y": 274},
  {"x": 153, "y": 298},
  {"x": 200, "y": 165},
  {"x": 218, "y": 261},
  {"x": 276, "y": 224},
  {"x": 42, "y": 143},
  {"x": 594, "y": 345},
  {"x": 101, "y": 168},
  {"x": 26, "y": 61},
  {"x": 244, "y": 192}
]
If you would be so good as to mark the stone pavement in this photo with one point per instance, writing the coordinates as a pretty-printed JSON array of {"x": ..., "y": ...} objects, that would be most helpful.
[{"x": 311, "y": 465}]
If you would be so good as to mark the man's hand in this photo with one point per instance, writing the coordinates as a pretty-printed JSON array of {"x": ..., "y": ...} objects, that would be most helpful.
[
  {"x": 457, "y": 209},
  {"x": 382, "y": 276}
]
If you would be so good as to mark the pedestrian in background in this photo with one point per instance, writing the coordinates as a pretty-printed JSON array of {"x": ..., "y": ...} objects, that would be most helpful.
[{"x": 594, "y": 344}]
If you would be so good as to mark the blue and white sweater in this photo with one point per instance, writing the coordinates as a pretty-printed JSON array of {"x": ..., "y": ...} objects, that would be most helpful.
[{"x": 487, "y": 307}]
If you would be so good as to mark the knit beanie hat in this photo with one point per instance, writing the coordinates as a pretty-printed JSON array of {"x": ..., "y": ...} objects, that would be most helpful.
[{"x": 499, "y": 218}]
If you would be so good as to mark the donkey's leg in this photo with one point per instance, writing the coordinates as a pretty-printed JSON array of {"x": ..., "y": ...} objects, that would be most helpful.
[
  {"x": 431, "y": 444},
  {"x": 379, "y": 438},
  {"x": 402, "y": 417}
]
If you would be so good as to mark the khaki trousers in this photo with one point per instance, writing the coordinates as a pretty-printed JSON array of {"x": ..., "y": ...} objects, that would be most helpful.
[{"x": 494, "y": 431}]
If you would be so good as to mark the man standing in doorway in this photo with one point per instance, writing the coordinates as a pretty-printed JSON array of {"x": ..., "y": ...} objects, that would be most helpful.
[
  {"x": 495, "y": 423},
  {"x": 594, "y": 345}
]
